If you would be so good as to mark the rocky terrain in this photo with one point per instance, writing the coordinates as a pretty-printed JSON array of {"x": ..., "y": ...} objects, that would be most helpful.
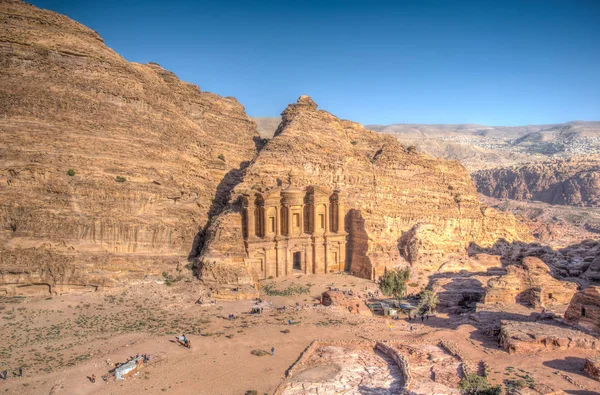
[
  {"x": 566, "y": 182},
  {"x": 556, "y": 225},
  {"x": 108, "y": 169},
  {"x": 479, "y": 146},
  {"x": 402, "y": 206}
]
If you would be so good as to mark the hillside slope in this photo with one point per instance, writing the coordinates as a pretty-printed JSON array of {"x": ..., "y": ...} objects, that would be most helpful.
[{"x": 69, "y": 102}]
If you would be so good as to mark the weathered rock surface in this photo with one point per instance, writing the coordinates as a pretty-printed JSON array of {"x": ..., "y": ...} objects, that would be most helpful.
[
  {"x": 529, "y": 284},
  {"x": 569, "y": 182},
  {"x": 349, "y": 303},
  {"x": 478, "y": 263},
  {"x": 457, "y": 293},
  {"x": 401, "y": 206},
  {"x": 569, "y": 262},
  {"x": 592, "y": 367},
  {"x": 584, "y": 309},
  {"x": 69, "y": 102},
  {"x": 530, "y": 337}
]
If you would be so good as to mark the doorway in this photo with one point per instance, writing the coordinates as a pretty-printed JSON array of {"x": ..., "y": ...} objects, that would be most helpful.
[{"x": 297, "y": 261}]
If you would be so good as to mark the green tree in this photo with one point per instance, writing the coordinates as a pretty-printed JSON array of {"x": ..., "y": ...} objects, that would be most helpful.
[
  {"x": 393, "y": 282},
  {"x": 472, "y": 384},
  {"x": 428, "y": 302}
]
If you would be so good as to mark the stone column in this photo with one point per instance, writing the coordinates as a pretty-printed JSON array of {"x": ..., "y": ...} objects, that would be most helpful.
[
  {"x": 289, "y": 221},
  {"x": 343, "y": 254},
  {"x": 264, "y": 221},
  {"x": 314, "y": 218},
  {"x": 278, "y": 221},
  {"x": 326, "y": 255},
  {"x": 279, "y": 260},
  {"x": 327, "y": 218},
  {"x": 250, "y": 218},
  {"x": 301, "y": 219},
  {"x": 340, "y": 216}
]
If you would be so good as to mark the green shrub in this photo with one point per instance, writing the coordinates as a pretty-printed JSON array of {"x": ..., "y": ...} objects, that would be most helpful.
[
  {"x": 393, "y": 282},
  {"x": 222, "y": 157},
  {"x": 120, "y": 179},
  {"x": 354, "y": 142},
  {"x": 472, "y": 384},
  {"x": 428, "y": 302},
  {"x": 70, "y": 172},
  {"x": 411, "y": 148}
]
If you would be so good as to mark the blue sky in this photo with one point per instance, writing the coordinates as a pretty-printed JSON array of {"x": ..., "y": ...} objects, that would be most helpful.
[{"x": 488, "y": 62}]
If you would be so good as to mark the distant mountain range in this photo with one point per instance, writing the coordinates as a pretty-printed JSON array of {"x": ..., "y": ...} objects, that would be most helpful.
[{"x": 479, "y": 146}]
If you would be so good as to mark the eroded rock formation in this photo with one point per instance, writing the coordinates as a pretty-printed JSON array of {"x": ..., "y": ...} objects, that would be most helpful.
[
  {"x": 353, "y": 304},
  {"x": 401, "y": 207},
  {"x": 531, "y": 337},
  {"x": 570, "y": 182},
  {"x": 69, "y": 102},
  {"x": 584, "y": 309},
  {"x": 529, "y": 284}
]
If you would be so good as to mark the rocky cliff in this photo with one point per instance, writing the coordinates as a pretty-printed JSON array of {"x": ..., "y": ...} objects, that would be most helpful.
[
  {"x": 150, "y": 156},
  {"x": 402, "y": 206},
  {"x": 569, "y": 182}
]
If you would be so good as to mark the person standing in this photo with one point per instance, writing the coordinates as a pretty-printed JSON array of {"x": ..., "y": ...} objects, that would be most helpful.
[
  {"x": 390, "y": 326},
  {"x": 20, "y": 372},
  {"x": 93, "y": 378},
  {"x": 272, "y": 351}
]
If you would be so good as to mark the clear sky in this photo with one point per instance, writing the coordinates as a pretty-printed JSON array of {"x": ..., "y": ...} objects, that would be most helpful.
[{"x": 491, "y": 62}]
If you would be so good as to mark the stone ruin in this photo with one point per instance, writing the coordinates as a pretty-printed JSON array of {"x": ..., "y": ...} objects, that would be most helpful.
[
  {"x": 359, "y": 367},
  {"x": 584, "y": 310}
]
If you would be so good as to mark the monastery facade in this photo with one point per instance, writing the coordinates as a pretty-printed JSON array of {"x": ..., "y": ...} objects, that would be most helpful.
[{"x": 294, "y": 230}]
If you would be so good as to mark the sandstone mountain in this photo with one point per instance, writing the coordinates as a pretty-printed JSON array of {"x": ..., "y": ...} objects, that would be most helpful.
[
  {"x": 402, "y": 206},
  {"x": 67, "y": 101},
  {"x": 568, "y": 182}
]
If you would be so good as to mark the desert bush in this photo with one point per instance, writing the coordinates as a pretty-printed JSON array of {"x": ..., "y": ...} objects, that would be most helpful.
[
  {"x": 393, "y": 282},
  {"x": 412, "y": 148},
  {"x": 70, "y": 172},
  {"x": 222, "y": 157},
  {"x": 289, "y": 291},
  {"x": 120, "y": 179},
  {"x": 354, "y": 142},
  {"x": 428, "y": 302},
  {"x": 472, "y": 384}
]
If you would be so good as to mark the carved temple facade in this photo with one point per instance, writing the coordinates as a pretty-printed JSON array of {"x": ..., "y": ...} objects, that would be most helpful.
[{"x": 294, "y": 230}]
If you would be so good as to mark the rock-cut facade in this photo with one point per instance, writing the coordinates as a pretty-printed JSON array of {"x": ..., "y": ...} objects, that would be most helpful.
[{"x": 294, "y": 230}]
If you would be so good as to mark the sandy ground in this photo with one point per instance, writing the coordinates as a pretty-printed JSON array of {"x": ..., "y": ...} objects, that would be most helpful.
[{"x": 60, "y": 341}]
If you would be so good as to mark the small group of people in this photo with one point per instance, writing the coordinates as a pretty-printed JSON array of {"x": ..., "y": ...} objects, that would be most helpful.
[
  {"x": 424, "y": 317},
  {"x": 18, "y": 373},
  {"x": 231, "y": 317},
  {"x": 184, "y": 341}
]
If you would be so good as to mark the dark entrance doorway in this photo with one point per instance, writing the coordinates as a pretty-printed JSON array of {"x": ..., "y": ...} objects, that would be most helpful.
[{"x": 297, "y": 261}]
